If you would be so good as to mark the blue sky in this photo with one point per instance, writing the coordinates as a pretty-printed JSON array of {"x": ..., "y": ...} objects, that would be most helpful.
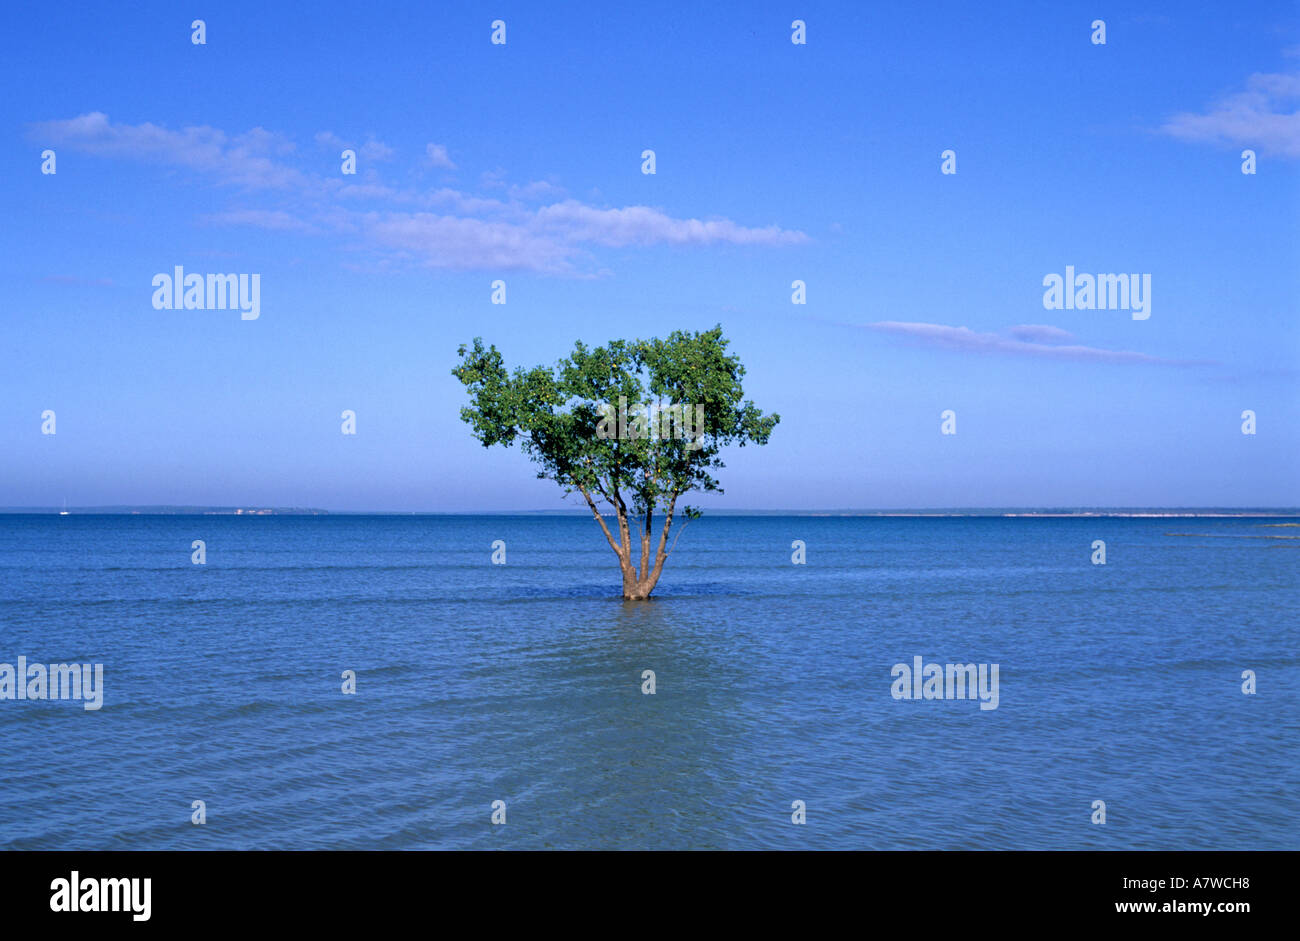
[{"x": 775, "y": 162}]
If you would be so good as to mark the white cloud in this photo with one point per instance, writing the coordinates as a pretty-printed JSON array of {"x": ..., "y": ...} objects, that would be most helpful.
[
  {"x": 1265, "y": 117},
  {"x": 375, "y": 150},
  {"x": 372, "y": 150},
  {"x": 965, "y": 340},
  {"x": 463, "y": 243},
  {"x": 538, "y": 189},
  {"x": 331, "y": 140},
  {"x": 641, "y": 225},
  {"x": 1040, "y": 333},
  {"x": 551, "y": 238},
  {"x": 441, "y": 228},
  {"x": 245, "y": 159},
  {"x": 274, "y": 220},
  {"x": 436, "y": 156}
]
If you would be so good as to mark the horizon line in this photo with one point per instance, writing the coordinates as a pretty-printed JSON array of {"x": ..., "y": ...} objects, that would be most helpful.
[{"x": 986, "y": 511}]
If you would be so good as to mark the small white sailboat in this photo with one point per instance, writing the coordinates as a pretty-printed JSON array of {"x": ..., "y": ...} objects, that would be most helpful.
[{"x": 64, "y": 511}]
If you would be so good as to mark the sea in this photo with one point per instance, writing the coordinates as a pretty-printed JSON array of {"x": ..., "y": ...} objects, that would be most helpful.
[{"x": 1150, "y": 702}]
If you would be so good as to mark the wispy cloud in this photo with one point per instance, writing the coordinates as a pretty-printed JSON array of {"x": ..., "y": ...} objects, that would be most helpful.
[
  {"x": 1266, "y": 117},
  {"x": 548, "y": 238},
  {"x": 375, "y": 150},
  {"x": 1037, "y": 340},
  {"x": 641, "y": 225},
  {"x": 538, "y": 189},
  {"x": 436, "y": 156},
  {"x": 372, "y": 149},
  {"x": 529, "y": 226},
  {"x": 331, "y": 140},
  {"x": 78, "y": 281},
  {"x": 1040, "y": 333},
  {"x": 247, "y": 159},
  {"x": 271, "y": 219}
]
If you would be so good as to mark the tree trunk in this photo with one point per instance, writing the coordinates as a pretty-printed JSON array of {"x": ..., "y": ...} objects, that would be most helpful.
[{"x": 636, "y": 588}]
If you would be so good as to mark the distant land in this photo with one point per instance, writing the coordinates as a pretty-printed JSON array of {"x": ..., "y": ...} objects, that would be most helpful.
[
  {"x": 1049, "y": 512},
  {"x": 170, "y": 510}
]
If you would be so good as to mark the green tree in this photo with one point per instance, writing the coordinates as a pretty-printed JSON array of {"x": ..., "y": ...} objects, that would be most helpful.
[{"x": 580, "y": 421}]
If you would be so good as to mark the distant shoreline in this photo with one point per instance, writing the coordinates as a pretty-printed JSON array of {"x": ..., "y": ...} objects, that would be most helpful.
[{"x": 999, "y": 512}]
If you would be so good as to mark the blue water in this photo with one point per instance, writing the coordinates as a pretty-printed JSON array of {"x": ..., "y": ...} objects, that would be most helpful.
[{"x": 522, "y": 682}]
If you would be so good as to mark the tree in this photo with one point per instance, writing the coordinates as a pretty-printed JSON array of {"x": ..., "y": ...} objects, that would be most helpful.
[{"x": 634, "y": 424}]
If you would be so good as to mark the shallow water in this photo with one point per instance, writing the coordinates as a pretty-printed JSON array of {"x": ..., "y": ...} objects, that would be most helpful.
[{"x": 522, "y": 682}]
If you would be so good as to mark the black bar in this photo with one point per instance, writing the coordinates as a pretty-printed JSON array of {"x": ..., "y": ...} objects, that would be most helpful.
[{"x": 944, "y": 890}]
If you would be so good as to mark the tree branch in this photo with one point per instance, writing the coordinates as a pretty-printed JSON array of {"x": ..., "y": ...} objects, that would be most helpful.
[
  {"x": 599, "y": 519},
  {"x": 661, "y": 555}
]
